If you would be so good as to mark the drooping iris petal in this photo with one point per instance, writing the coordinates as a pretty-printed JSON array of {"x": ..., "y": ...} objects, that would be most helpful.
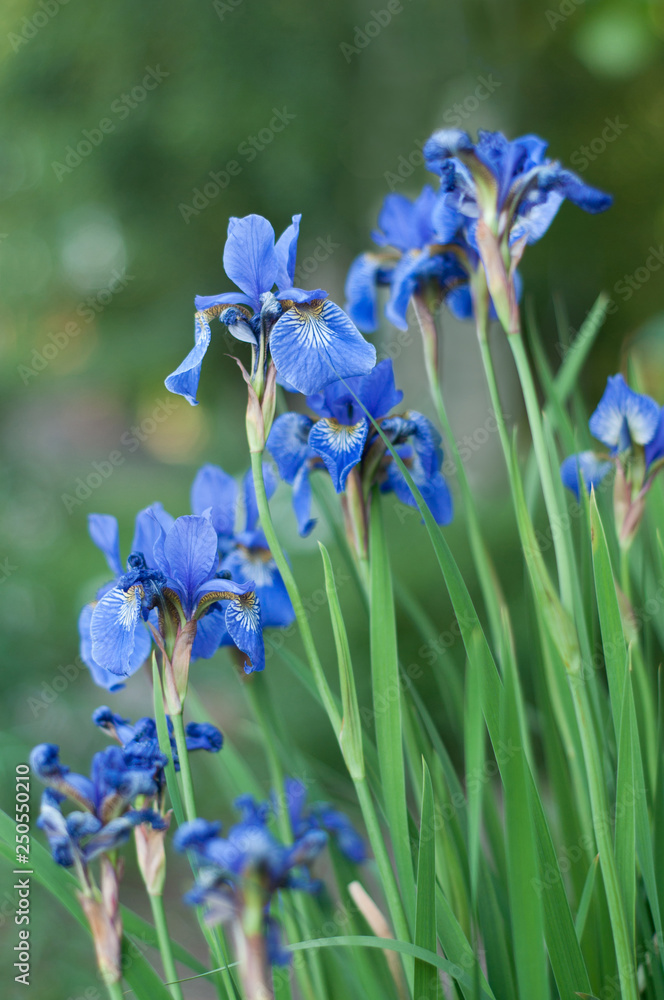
[
  {"x": 654, "y": 449},
  {"x": 424, "y": 457},
  {"x": 434, "y": 490},
  {"x": 443, "y": 144},
  {"x": 216, "y": 491},
  {"x": 243, "y": 621},
  {"x": 460, "y": 302},
  {"x": 210, "y": 631},
  {"x": 203, "y": 736},
  {"x": 285, "y": 251},
  {"x": 534, "y": 216},
  {"x": 104, "y": 678},
  {"x": 104, "y": 532},
  {"x": 190, "y": 552},
  {"x": 288, "y": 443},
  {"x": 586, "y": 467},
  {"x": 623, "y": 416},
  {"x": 249, "y": 256},
  {"x": 225, "y": 299},
  {"x": 116, "y": 624},
  {"x": 339, "y": 446},
  {"x": 184, "y": 380},
  {"x": 362, "y": 290},
  {"x": 302, "y": 502},
  {"x": 256, "y": 564},
  {"x": 566, "y": 183},
  {"x": 313, "y": 344}
]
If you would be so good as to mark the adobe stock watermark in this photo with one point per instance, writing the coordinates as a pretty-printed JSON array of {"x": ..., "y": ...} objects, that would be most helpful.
[
  {"x": 454, "y": 116},
  {"x": 248, "y": 150},
  {"x": 582, "y": 157},
  {"x": 31, "y": 26},
  {"x": 130, "y": 441},
  {"x": 49, "y": 691},
  {"x": 223, "y": 7},
  {"x": 564, "y": 10},
  {"x": 120, "y": 109},
  {"x": 365, "y": 34},
  {"x": 88, "y": 309}
]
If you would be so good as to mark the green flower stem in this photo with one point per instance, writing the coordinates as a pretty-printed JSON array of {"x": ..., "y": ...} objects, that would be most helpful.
[
  {"x": 647, "y": 699},
  {"x": 159, "y": 917},
  {"x": 293, "y": 592},
  {"x": 115, "y": 991},
  {"x": 491, "y": 589},
  {"x": 367, "y": 806},
  {"x": 601, "y": 822},
  {"x": 185, "y": 770},
  {"x": 544, "y": 466}
]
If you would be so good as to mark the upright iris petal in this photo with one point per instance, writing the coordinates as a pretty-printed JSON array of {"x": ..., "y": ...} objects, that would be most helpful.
[
  {"x": 250, "y": 260},
  {"x": 624, "y": 416}
]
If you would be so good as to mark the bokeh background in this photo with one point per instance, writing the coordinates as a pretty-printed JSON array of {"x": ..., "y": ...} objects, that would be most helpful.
[{"x": 103, "y": 246}]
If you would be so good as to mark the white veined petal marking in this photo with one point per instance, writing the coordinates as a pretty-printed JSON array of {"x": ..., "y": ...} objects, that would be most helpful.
[
  {"x": 340, "y": 437},
  {"x": 311, "y": 330},
  {"x": 129, "y": 606},
  {"x": 257, "y": 565},
  {"x": 245, "y": 609}
]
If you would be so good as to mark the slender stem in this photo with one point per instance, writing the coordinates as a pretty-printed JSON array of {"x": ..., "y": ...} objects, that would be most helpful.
[
  {"x": 159, "y": 917},
  {"x": 185, "y": 770},
  {"x": 647, "y": 700},
  {"x": 544, "y": 466},
  {"x": 491, "y": 590},
  {"x": 115, "y": 991},
  {"x": 293, "y": 592}
]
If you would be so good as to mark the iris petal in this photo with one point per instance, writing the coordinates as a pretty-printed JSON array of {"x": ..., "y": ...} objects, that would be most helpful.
[
  {"x": 184, "y": 380},
  {"x": 113, "y": 630},
  {"x": 587, "y": 467},
  {"x": 314, "y": 344},
  {"x": 623, "y": 415},
  {"x": 243, "y": 621},
  {"x": 339, "y": 446},
  {"x": 288, "y": 443},
  {"x": 104, "y": 532},
  {"x": 216, "y": 491},
  {"x": 249, "y": 256},
  {"x": 285, "y": 252}
]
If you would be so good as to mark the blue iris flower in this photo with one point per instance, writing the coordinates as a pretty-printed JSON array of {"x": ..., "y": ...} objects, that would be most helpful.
[
  {"x": 310, "y": 339},
  {"x": 412, "y": 259},
  {"x": 104, "y": 532},
  {"x": 342, "y": 438},
  {"x": 624, "y": 421},
  {"x": 104, "y": 818},
  {"x": 185, "y": 583},
  {"x": 249, "y": 856},
  {"x": 513, "y": 185},
  {"x": 322, "y": 816},
  {"x": 245, "y": 554},
  {"x": 140, "y": 742}
]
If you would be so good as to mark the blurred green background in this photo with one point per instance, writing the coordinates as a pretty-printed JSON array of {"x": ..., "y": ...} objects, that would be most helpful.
[{"x": 115, "y": 117}]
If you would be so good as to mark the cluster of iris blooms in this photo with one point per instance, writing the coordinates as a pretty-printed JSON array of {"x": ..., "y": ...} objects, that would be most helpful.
[
  {"x": 198, "y": 582},
  {"x": 126, "y": 791}
]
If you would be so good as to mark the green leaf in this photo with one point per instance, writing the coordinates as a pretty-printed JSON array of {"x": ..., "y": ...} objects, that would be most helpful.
[
  {"x": 613, "y": 639},
  {"x": 387, "y": 707},
  {"x": 525, "y": 902},
  {"x": 586, "y": 896},
  {"x": 350, "y": 737},
  {"x": 426, "y": 981},
  {"x": 139, "y": 974},
  {"x": 389, "y": 944},
  {"x": 625, "y": 831},
  {"x": 474, "y": 761}
]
